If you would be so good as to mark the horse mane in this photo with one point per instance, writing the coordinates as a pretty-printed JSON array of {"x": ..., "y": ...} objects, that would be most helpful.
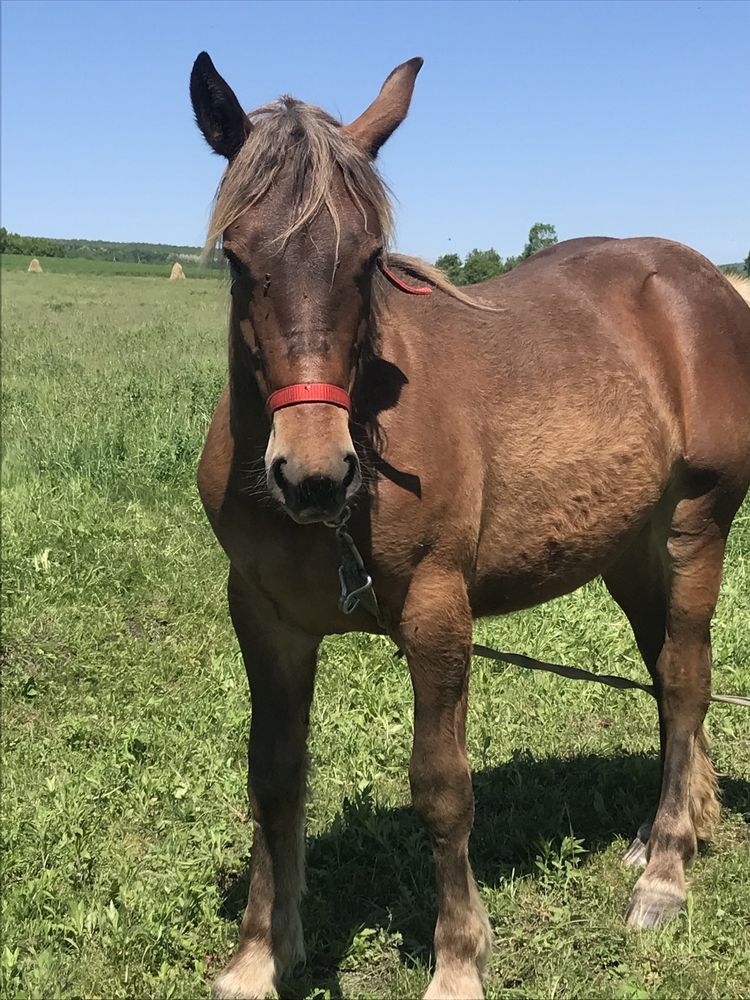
[
  {"x": 742, "y": 285},
  {"x": 310, "y": 143}
]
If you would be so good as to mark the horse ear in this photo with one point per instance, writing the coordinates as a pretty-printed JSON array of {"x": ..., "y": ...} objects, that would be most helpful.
[
  {"x": 388, "y": 110},
  {"x": 218, "y": 113}
]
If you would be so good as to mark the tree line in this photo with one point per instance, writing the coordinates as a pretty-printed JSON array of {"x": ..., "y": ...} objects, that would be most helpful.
[
  {"x": 140, "y": 253},
  {"x": 479, "y": 265}
]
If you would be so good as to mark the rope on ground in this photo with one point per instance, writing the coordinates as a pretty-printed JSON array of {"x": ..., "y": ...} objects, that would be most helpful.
[{"x": 577, "y": 674}]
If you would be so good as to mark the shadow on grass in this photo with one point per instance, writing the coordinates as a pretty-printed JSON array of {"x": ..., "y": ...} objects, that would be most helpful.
[{"x": 373, "y": 867}]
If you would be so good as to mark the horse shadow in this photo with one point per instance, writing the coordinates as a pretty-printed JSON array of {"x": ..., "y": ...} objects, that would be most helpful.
[{"x": 373, "y": 866}]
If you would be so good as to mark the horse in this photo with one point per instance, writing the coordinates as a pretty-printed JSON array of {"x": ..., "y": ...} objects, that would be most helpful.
[{"x": 587, "y": 414}]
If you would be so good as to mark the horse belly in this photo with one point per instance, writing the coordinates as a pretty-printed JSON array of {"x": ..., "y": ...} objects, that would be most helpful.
[{"x": 548, "y": 535}]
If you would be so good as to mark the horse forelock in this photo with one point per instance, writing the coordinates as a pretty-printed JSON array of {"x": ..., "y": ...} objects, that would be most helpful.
[{"x": 313, "y": 148}]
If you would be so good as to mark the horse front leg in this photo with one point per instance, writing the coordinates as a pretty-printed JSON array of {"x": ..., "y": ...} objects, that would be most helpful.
[
  {"x": 280, "y": 664},
  {"x": 436, "y": 635}
]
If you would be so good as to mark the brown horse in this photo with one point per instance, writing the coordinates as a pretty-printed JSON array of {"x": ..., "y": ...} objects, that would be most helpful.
[{"x": 590, "y": 416}]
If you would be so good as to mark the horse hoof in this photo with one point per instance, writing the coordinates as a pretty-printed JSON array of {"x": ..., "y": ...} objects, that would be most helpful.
[{"x": 650, "y": 908}]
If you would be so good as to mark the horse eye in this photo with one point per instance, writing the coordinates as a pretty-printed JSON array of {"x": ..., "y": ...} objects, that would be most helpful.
[
  {"x": 373, "y": 258},
  {"x": 235, "y": 264}
]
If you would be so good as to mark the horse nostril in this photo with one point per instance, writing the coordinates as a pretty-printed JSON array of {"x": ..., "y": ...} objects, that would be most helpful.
[
  {"x": 317, "y": 491},
  {"x": 278, "y": 475}
]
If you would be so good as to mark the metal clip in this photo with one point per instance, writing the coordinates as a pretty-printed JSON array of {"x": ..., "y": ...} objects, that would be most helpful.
[
  {"x": 354, "y": 581},
  {"x": 340, "y": 520},
  {"x": 349, "y": 599}
]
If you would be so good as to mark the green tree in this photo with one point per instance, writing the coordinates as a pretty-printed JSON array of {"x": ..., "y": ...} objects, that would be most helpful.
[
  {"x": 450, "y": 264},
  {"x": 481, "y": 265},
  {"x": 747, "y": 265},
  {"x": 510, "y": 262},
  {"x": 541, "y": 235}
]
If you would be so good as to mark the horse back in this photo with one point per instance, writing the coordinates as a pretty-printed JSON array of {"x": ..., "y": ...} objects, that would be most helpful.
[
  {"x": 652, "y": 308},
  {"x": 546, "y": 434}
]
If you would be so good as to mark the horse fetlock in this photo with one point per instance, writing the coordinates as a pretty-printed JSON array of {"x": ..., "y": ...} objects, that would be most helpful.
[
  {"x": 453, "y": 981},
  {"x": 463, "y": 944},
  {"x": 251, "y": 975},
  {"x": 257, "y": 966},
  {"x": 673, "y": 843}
]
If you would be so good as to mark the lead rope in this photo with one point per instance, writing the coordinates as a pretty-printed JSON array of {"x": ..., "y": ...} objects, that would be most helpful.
[
  {"x": 356, "y": 588},
  {"x": 577, "y": 674}
]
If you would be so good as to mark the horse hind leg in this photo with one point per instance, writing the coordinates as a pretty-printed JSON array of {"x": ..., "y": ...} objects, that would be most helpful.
[
  {"x": 636, "y": 582},
  {"x": 694, "y": 551},
  {"x": 668, "y": 585}
]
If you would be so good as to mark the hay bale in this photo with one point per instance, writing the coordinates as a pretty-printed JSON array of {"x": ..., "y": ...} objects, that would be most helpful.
[
  {"x": 35, "y": 267},
  {"x": 177, "y": 272}
]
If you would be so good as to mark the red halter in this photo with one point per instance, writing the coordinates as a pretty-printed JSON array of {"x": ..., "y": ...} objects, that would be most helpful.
[
  {"x": 401, "y": 285},
  {"x": 308, "y": 392},
  {"x": 322, "y": 392}
]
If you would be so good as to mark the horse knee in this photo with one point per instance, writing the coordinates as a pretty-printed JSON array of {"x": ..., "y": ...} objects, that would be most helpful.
[{"x": 442, "y": 796}]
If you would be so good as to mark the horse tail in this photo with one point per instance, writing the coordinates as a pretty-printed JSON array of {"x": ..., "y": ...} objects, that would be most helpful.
[{"x": 740, "y": 284}]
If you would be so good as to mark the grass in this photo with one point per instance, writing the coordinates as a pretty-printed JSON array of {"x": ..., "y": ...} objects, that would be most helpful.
[{"x": 125, "y": 714}]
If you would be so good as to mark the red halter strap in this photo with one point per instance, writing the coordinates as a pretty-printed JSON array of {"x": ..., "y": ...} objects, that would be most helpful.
[
  {"x": 308, "y": 392},
  {"x": 401, "y": 285}
]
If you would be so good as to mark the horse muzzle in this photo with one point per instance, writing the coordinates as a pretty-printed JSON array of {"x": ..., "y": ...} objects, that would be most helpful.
[
  {"x": 311, "y": 467},
  {"x": 320, "y": 496}
]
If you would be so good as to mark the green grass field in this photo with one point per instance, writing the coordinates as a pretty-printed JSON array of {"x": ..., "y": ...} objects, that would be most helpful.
[{"x": 125, "y": 713}]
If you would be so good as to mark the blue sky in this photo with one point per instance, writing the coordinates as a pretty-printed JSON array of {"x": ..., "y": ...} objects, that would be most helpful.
[{"x": 603, "y": 118}]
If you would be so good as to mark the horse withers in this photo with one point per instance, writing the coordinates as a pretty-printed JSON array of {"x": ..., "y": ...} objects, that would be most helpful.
[{"x": 589, "y": 415}]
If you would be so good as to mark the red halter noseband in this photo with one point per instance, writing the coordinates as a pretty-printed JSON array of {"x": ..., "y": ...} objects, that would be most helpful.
[
  {"x": 308, "y": 392},
  {"x": 323, "y": 392}
]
